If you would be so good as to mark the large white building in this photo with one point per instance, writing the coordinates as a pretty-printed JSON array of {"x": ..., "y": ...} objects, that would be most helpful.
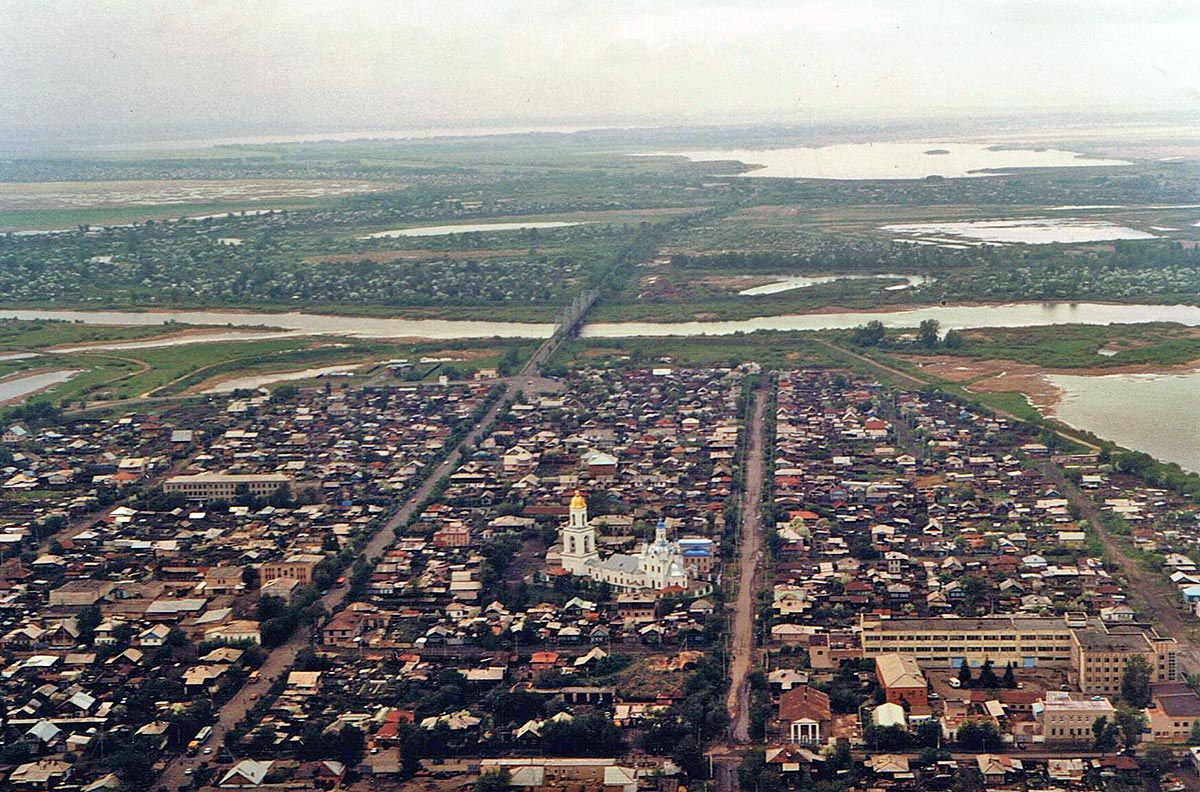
[{"x": 655, "y": 566}]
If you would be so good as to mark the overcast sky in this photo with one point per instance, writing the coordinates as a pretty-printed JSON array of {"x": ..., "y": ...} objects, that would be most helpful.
[{"x": 137, "y": 67}]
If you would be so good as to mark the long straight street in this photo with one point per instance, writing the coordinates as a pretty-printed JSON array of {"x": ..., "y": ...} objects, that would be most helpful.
[{"x": 741, "y": 643}]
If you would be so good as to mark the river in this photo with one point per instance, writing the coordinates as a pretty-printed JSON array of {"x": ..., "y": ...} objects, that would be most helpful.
[{"x": 950, "y": 316}]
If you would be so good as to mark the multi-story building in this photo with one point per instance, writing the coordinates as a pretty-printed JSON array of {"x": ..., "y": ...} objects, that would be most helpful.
[
  {"x": 298, "y": 567},
  {"x": 1023, "y": 641},
  {"x": 213, "y": 486},
  {"x": 1173, "y": 711},
  {"x": 1068, "y": 718},
  {"x": 1100, "y": 653}
]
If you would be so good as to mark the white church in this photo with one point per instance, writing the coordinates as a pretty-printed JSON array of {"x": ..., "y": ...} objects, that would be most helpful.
[{"x": 655, "y": 566}]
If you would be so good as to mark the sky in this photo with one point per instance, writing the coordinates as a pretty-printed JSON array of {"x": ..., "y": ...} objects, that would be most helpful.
[{"x": 136, "y": 69}]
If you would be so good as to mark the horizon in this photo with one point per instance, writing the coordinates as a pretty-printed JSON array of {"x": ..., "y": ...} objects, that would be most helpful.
[{"x": 118, "y": 72}]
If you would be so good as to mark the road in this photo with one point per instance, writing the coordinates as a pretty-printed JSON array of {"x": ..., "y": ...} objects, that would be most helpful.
[
  {"x": 741, "y": 644},
  {"x": 281, "y": 659},
  {"x": 918, "y": 382},
  {"x": 1151, "y": 591}
]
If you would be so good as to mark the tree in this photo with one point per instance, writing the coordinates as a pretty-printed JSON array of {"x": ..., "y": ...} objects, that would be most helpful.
[
  {"x": 86, "y": 622},
  {"x": 928, "y": 332},
  {"x": 349, "y": 746},
  {"x": 1010, "y": 676},
  {"x": 494, "y": 781},
  {"x": 1157, "y": 760},
  {"x": 1132, "y": 722},
  {"x": 868, "y": 335},
  {"x": 964, "y": 675},
  {"x": 1194, "y": 737},
  {"x": 751, "y": 768},
  {"x": 978, "y": 736},
  {"x": 690, "y": 757},
  {"x": 987, "y": 677},
  {"x": 1135, "y": 682},
  {"x": 1105, "y": 734},
  {"x": 953, "y": 339}
]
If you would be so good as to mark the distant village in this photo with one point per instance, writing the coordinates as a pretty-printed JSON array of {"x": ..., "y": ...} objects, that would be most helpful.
[{"x": 218, "y": 595}]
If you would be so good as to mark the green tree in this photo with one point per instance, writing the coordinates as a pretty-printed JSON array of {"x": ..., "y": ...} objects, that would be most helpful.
[
  {"x": 978, "y": 736},
  {"x": 964, "y": 674},
  {"x": 987, "y": 676},
  {"x": 1157, "y": 760},
  {"x": 1105, "y": 734},
  {"x": 494, "y": 781},
  {"x": 1010, "y": 676},
  {"x": 928, "y": 332},
  {"x": 1132, "y": 722},
  {"x": 1194, "y": 737},
  {"x": 690, "y": 758},
  {"x": 868, "y": 335},
  {"x": 1135, "y": 682},
  {"x": 86, "y": 622}
]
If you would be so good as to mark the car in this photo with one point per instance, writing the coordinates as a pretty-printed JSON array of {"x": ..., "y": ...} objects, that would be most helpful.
[
  {"x": 189, "y": 771},
  {"x": 955, "y": 683},
  {"x": 208, "y": 750}
]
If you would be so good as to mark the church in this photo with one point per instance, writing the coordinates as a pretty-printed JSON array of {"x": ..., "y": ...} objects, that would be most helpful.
[{"x": 655, "y": 566}]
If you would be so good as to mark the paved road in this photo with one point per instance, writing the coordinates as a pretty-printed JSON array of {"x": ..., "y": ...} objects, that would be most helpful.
[
  {"x": 281, "y": 659},
  {"x": 741, "y": 644}
]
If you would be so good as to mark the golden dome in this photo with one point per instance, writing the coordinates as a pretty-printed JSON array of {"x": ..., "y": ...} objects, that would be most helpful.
[{"x": 578, "y": 502}]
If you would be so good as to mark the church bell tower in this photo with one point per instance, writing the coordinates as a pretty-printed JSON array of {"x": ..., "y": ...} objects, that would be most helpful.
[{"x": 578, "y": 538}]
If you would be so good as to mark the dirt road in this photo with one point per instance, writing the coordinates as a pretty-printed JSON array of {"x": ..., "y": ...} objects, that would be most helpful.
[
  {"x": 908, "y": 379},
  {"x": 741, "y": 644},
  {"x": 1151, "y": 592}
]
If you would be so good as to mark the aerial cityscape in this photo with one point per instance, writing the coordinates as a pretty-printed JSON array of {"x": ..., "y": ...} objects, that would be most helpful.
[{"x": 643, "y": 396}]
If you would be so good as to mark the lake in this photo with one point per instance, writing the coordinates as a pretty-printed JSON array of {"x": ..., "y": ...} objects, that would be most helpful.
[
  {"x": 1155, "y": 413},
  {"x": 788, "y": 283},
  {"x": 446, "y": 230},
  {"x": 16, "y": 388},
  {"x": 1025, "y": 231},
  {"x": 914, "y": 160}
]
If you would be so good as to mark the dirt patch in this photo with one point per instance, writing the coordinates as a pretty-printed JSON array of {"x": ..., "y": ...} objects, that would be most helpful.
[
  {"x": 735, "y": 282},
  {"x": 461, "y": 354},
  {"x": 1000, "y": 376}
]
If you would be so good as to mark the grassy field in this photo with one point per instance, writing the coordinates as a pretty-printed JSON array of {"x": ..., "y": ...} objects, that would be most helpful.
[
  {"x": 172, "y": 371},
  {"x": 1077, "y": 346},
  {"x": 23, "y": 335}
]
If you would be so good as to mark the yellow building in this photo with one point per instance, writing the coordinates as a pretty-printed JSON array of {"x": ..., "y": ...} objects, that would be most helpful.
[
  {"x": 213, "y": 486},
  {"x": 1172, "y": 712},
  {"x": 1099, "y": 656},
  {"x": 298, "y": 567},
  {"x": 1023, "y": 641},
  {"x": 1068, "y": 718}
]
